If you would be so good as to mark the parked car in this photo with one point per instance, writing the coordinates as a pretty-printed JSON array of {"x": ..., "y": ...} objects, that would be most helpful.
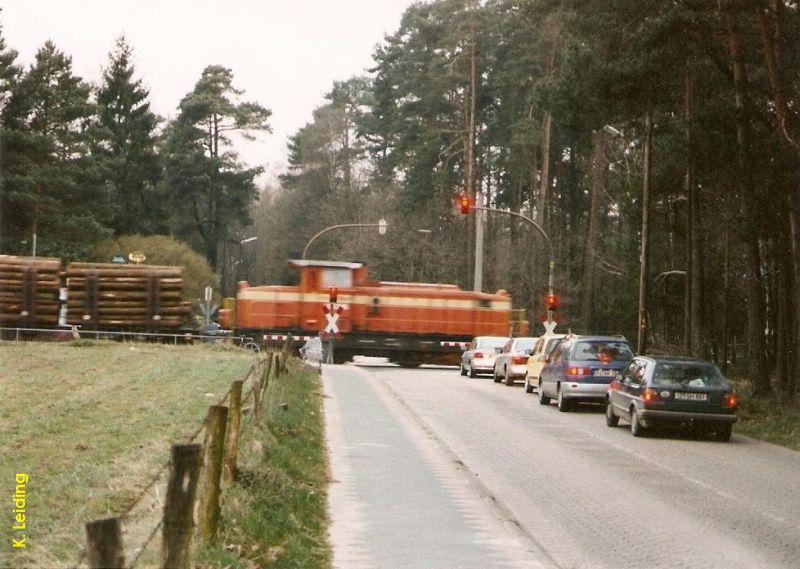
[
  {"x": 480, "y": 354},
  {"x": 580, "y": 368},
  {"x": 673, "y": 392},
  {"x": 544, "y": 345},
  {"x": 511, "y": 363}
]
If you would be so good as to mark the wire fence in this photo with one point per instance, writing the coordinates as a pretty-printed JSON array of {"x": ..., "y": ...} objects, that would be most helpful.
[
  {"x": 19, "y": 334},
  {"x": 264, "y": 365}
]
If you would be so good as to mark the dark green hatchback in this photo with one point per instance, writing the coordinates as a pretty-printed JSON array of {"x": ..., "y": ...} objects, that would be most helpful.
[{"x": 672, "y": 392}]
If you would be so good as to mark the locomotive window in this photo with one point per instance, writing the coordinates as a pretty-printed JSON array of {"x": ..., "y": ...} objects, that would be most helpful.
[{"x": 340, "y": 278}]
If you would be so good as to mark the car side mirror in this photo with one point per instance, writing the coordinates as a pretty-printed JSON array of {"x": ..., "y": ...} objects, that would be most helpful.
[
  {"x": 528, "y": 352},
  {"x": 498, "y": 350}
]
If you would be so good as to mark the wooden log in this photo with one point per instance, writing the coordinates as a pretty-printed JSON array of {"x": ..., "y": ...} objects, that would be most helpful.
[
  {"x": 126, "y": 278},
  {"x": 104, "y": 544},
  {"x": 212, "y": 469},
  {"x": 232, "y": 437},
  {"x": 121, "y": 270},
  {"x": 80, "y": 265},
  {"x": 141, "y": 311},
  {"x": 124, "y": 286},
  {"x": 123, "y": 295},
  {"x": 44, "y": 262},
  {"x": 179, "y": 506},
  {"x": 163, "y": 323}
]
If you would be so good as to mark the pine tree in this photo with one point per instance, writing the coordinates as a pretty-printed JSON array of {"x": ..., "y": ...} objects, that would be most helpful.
[
  {"x": 126, "y": 143},
  {"x": 53, "y": 198},
  {"x": 204, "y": 175}
]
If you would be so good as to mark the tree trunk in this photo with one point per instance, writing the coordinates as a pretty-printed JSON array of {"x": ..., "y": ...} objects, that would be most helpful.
[
  {"x": 769, "y": 21},
  {"x": 544, "y": 188},
  {"x": 641, "y": 332},
  {"x": 599, "y": 167},
  {"x": 694, "y": 279},
  {"x": 725, "y": 294},
  {"x": 754, "y": 286}
]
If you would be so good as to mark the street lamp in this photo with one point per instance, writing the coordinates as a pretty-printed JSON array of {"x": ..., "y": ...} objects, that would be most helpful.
[{"x": 381, "y": 225}]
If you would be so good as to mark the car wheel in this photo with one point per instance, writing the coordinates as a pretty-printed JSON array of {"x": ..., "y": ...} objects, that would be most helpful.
[
  {"x": 723, "y": 433},
  {"x": 509, "y": 379},
  {"x": 463, "y": 371},
  {"x": 528, "y": 385},
  {"x": 494, "y": 376},
  {"x": 472, "y": 373},
  {"x": 543, "y": 399},
  {"x": 611, "y": 419},
  {"x": 637, "y": 429},
  {"x": 562, "y": 402}
]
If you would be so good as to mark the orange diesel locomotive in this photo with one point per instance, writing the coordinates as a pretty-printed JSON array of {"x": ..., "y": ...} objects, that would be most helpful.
[{"x": 410, "y": 323}]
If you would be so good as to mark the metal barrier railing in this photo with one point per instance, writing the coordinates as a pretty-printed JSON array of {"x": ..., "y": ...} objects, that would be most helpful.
[{"x": 176, "y": 337}]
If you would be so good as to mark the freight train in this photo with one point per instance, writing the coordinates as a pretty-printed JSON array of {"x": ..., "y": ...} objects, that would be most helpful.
[
  {"x": 409, "y": 323},
  {"x": 38, "y": 292}
]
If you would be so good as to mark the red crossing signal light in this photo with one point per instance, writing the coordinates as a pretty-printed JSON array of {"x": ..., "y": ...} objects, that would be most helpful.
[
  {"x": 551, "y": 301},
  {"x": 464, "y": 203},
  {"x": 334, "y": 294}
]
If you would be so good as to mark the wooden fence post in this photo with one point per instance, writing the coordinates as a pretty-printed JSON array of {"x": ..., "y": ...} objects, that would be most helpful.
[
  {"x": 257, "y": 399},
  {"x": 265, "y": 377},
  {"x": 179, "y": 506},
  {"x": 104, "y": 544},
  {"x": 212, "y": 469},
  {"x": 232, "y": 438}
]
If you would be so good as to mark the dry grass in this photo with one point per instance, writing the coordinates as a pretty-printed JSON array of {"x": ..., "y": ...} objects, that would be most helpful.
[{"x": 90, "y": 423}]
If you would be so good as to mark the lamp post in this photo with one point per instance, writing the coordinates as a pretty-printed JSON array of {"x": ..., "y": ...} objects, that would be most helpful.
[
  {"x": 242, "y": 243},
  {"x": 381, "y": 225}
]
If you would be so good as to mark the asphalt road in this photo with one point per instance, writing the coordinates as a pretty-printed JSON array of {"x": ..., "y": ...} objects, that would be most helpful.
[{"x": 432, "y": 469}]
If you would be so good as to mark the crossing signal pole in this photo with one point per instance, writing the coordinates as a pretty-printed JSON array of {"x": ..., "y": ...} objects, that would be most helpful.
[{"x": 466, "y": 203}]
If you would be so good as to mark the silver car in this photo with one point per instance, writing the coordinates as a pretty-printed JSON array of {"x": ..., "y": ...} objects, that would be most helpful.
[
  {"x": 512, "y": 362},
  {"x": 480, "y": 355}
]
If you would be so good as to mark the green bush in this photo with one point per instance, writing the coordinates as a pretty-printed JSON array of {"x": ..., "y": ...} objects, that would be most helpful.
[{"x": 164, "y": 250}]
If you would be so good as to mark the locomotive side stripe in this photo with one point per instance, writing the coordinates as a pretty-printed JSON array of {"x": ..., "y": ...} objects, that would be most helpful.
[{"x": 387, "y": 301}]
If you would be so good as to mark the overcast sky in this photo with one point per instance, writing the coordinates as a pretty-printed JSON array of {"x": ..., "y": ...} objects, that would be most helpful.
[{"x": 284, "y": 53}]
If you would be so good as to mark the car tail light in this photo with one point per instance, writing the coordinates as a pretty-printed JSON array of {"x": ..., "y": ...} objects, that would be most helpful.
[
  {"x": 519, "y": 360},
  {"x": 478, "y": 355},
  {"x": 577, "y": 371},
  {"x": 730, "y": 401},
  {"x": 650, "y": 396}
]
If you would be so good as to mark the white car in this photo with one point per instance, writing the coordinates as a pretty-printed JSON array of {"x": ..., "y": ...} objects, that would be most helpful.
[
  {"x": 544, "y": 345},
  {"x": 479, "y": 355},
  {"x": 511, "y": 364}
]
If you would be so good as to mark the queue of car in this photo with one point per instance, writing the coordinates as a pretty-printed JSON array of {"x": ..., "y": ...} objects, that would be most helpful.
[{"x": 645, "y": 391}]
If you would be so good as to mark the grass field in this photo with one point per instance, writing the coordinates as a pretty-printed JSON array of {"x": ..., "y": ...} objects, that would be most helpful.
[
  {"x": 275, "y": 515},
  {"x": 90, "y": 423},
  {"x": 771, "y": 420}
]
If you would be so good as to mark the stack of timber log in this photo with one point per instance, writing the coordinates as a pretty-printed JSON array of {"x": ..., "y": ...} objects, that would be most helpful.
[
  {"x": 125, "y": 296},
  {"x": 29, "y": 288}
]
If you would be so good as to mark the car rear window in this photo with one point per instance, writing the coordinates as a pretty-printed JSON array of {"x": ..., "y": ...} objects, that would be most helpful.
[
  {"x": 602, "y": 350},
  {"x": 492, "y": 342},
  {"x": 687, "y": 375},
  {"x": 525, "y": 344},
  {"x": 551, "y": 344}
]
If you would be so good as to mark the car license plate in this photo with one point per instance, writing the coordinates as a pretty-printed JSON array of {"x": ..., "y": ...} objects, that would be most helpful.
[
  {"x": 605, "y": 373},
  {"x": 691, "y": 396}
]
